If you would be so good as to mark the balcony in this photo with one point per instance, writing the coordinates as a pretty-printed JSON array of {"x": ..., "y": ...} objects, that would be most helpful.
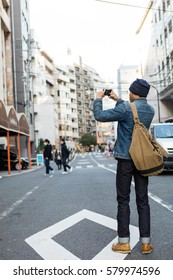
[
  {"x": 63, "y": 88},
  {"x": 49, "y": 65},
  {"x": 6, "y": 3},
  {"x": 49, "y": 79},
  {"x": 72, "y": 86},
  {"x": 36, "y": 108},
  {"x": 64, "y": 78},
  {"x": 37, "y": 127},
  {"x": 74, "y": 125},
  {"x": 5, "y": 20}
]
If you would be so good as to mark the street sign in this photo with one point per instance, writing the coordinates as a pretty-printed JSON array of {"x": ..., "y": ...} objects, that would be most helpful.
[{"x": 40, "y": 160}]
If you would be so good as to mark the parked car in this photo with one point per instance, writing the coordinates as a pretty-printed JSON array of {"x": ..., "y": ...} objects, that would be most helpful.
[
  {"x": 13, "y": 161},
  {"x": 163, "y": 133}
]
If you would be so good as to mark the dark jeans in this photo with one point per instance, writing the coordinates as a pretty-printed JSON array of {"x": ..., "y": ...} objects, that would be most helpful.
[
  {"x": 125, "y": 171},
  {"x": 65, "y": 165},
  {"x": 48, "y": 167},
  {"x": 59, "y": 163}
]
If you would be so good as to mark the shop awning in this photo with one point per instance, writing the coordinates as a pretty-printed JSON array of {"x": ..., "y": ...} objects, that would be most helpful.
[
  {"x": 11, "y": 121},
  {"x": 13, "y": 124}
]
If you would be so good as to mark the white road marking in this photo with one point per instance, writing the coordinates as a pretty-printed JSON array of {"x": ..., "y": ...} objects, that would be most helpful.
[
  {"x": 86, "y": 162},
  {"x": 17, "y": 203},
  {"x": 48, "y": 249},
  {"x": 152, "y": 196},
  {"x": 90, "y": 166},
  {"x": 161, "y": 202},
  {"x": 78, "y": 167}
]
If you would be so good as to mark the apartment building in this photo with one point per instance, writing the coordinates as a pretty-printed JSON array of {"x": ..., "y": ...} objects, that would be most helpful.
[
  {"x": 156, "y": 53},
  {"x": 73, "y": 101},
  {"x": 65, "y": 95},
  {"x": 44, "y": 90},
  {"x": 77, "y": 85},
  {"x": 126, "y": 74},
  {"x": 6, "y": 81},
  {"x": 21, "y": 45},
  {"x": 88, "y": 82},
  {"x": 6, "y": 76}
]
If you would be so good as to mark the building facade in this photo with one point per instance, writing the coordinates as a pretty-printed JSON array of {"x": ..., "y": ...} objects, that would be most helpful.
[
  {"x": 156, "y": 52},
  {"x": 6, "y": 76},
  {"x": 22, "y": 76},
  {"x": 126, "y": 74}
]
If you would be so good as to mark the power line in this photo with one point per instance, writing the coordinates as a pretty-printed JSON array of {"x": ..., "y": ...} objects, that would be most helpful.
[{"x": 133, "y": 6}]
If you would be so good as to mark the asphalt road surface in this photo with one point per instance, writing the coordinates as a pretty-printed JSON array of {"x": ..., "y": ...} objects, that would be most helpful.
[{"x": 73, "y": 216}]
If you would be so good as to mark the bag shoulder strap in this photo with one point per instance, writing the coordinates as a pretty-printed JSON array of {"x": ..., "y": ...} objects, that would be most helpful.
[{"x": 134, "y": 112}]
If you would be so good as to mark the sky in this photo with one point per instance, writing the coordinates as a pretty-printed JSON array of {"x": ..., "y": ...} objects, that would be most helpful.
[{"x": 103, "y": 34}]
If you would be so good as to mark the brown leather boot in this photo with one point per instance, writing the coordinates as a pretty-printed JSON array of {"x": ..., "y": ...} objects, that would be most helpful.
[
  {"x": 123, "y": 248},
  {"x": 147, "y": 248}
]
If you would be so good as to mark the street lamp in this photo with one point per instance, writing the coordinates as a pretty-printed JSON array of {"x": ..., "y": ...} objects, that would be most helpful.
[{"x": 158, "y": 102}]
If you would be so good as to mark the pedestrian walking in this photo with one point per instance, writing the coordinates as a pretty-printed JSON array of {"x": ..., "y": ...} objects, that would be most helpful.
[
  {"x": 122, "y": 113},
  {"x": 47, "y": 156},
  {"x": 58, "y": 159},
  {"x": 65, "y": 156}
]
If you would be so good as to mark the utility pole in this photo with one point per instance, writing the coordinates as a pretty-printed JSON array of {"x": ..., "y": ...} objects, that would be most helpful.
[
  {"x": 28, "y": 70},
  {"x": 158, "y": 102},
  {"x": 83, "y": 94}
]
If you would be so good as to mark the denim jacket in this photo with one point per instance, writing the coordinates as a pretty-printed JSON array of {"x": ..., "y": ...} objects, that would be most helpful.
[{"x": 123, "y": 114}]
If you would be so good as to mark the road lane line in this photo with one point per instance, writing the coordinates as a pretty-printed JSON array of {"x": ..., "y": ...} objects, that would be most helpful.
[
  {"x": 17, "y": 203},
  {"x": 86, "y": 162},
  {"x": 152, "y": 196},
  {"x": 161, "y": 202},
  {"x": 102, "y": 166}
]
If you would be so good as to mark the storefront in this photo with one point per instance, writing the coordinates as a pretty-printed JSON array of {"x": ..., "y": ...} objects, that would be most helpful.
[{"x": 14, "y": 124}]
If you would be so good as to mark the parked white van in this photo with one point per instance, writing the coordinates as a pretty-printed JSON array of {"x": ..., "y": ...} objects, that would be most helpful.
[{"x": 163, "y": 133}]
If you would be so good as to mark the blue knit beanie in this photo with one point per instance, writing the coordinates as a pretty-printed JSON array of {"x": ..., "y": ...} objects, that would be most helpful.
[{"x": 140, "y": 87}]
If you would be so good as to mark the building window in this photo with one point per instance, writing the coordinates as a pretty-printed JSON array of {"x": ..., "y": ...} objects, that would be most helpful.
[
  {"x": 155, "y": 18},
  {"x": 161, "y": 41},
  {"x": 158, "y": 68},
  {"x": 165, "y": 33},
  {"x": 167, "y": 62},
  {"x": 171, "y": 55},
  {"x": 159, "y": 13},
  {"x": 157, "y": 43},
  {"x": 31, "y": 119},
  {"x": 170, "y": 26},
  {"x": 164, "y": 6},
  {"x": 168, "y": 3}
]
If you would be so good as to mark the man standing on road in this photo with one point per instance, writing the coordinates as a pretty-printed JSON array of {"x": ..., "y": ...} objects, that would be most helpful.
[
  {"x": 122, "y": 113},
  {"x": 47, "y": 156}
]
